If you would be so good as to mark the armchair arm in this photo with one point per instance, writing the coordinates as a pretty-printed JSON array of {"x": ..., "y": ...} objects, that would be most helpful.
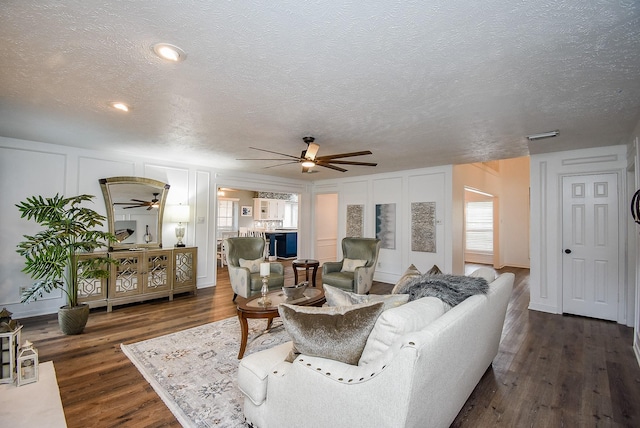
[
  {"x": 363, "y": 279},
  {"x": 329, "y": 267},
  {"x": 240, "y": 279}
]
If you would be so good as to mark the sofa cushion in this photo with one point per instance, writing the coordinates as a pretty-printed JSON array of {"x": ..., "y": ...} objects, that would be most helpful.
[
  {"x": 338, "y": 297},
  {"x": 350, "y": 265},
  {"x": 335, "y": 332},
  {"x": 408, "y": 274},
  {"x": 252, "y": 265},
  {"x": 394, "y": 323}
]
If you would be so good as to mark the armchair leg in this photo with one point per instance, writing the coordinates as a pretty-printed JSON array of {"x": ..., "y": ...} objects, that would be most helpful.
[{"x": 234, "y": 297}]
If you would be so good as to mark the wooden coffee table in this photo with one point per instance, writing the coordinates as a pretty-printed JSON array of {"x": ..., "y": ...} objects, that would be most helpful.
[{"x": 252, "y": 309}]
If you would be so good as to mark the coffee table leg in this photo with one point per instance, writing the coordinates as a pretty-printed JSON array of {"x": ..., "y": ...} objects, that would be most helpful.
[{"x": 244, "y": 327}]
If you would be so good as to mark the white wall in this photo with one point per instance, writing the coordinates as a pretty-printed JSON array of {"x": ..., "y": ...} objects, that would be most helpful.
[
  {"x": 401, "y": 188},
  {"x": 546, "y": 220},
  {"x": 30, "y": 168}
]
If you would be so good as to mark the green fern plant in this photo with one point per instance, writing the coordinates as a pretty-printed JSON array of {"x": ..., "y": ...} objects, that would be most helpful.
[{"x": 51, "y": 254}]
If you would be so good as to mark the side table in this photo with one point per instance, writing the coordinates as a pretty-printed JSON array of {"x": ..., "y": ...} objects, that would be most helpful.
[{"x": 305, "y": 264}]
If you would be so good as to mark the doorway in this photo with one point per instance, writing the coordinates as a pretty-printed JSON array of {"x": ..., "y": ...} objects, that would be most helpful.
[{"x": 326, "y": 229}]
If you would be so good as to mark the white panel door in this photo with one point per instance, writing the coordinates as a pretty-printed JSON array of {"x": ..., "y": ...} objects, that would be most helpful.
[
  {"x": 590, "y": 240},
  {"x": 326, "y": 228}
]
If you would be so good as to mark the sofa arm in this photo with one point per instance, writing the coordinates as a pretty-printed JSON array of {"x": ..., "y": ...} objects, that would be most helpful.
[{"x": 328, "y": 267}]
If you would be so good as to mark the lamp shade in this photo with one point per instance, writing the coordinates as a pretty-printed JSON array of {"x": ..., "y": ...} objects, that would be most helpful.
[{"x": 179, "y": 214}]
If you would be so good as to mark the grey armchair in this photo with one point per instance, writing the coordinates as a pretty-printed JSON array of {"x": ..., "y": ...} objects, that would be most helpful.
[
  {"x": 360, "y": 279},
  {"x": 244, "y": 281}
]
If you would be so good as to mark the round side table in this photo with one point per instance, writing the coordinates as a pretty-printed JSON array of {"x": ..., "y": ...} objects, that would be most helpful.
[{"x": 305, "y": 264}]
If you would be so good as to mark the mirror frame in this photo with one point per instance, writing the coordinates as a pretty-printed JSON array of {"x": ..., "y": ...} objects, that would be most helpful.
[{"x": 163, "y": 190}]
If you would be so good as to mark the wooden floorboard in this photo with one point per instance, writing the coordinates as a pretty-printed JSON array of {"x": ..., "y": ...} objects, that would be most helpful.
[{"x": 551, "y": 370}]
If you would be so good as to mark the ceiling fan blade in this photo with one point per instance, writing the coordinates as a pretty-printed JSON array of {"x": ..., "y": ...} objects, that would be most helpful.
[
  {"x": 275, "y": 153},
  {"x": 352, "y": 163},
  {"x": 140, "y": 200},
  {"x": 267, "y": 159},
  {"x": 280, "y": 164},
  {"x": 133, "y": 206},
  {"x": 344, "y": 155},
  {"x": 326, "y": 165}
]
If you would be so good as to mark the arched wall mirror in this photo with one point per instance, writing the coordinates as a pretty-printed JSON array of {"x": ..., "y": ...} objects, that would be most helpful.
[{"x": 135, "y": 208}]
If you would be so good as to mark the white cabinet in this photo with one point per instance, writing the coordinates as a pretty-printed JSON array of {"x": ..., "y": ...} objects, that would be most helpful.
[{"x": 268, "y": 209}]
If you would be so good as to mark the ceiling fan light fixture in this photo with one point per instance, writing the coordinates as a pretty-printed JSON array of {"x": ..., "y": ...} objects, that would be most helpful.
[
  {"x": 308, "y": 164},
  {"x": 543, "y": 135},
  {"x": 120, "y": 106},
  {"x": 312, "y": 148},
  {"x": 169, "y": 52}
]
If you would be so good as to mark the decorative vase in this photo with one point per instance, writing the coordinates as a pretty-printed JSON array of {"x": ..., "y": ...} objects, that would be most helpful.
[{"x": 73, "y": 319}]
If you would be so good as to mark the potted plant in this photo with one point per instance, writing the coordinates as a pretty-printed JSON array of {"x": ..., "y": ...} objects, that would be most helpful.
[{"x": 51, "y": 255}]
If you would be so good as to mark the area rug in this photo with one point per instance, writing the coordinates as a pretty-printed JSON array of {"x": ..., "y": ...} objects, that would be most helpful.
[{"x": 194, "y": 371}]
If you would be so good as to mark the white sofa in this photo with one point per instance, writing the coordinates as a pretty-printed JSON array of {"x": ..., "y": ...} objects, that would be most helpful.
[{"x": 422, "y": 380}]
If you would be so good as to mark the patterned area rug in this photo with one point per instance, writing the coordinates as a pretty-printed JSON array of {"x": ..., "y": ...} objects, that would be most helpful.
[{"x": 194, "y": 371}]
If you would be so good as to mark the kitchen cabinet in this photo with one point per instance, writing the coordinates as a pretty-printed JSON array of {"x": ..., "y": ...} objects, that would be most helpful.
[
  {"x": 283, "y": 244},
  {"x": 268, "y": 209}
]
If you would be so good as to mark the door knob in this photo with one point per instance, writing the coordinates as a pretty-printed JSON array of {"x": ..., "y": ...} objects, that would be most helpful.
[{"x": 568, "y": 251}]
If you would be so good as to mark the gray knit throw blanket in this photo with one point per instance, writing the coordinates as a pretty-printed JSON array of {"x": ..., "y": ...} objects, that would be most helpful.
[{"x": 451, "y": 289}]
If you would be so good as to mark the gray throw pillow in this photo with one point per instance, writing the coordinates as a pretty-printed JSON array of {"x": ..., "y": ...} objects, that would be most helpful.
[
  {"x": 337, "y": 333},
  {"x": 338, "y": 297},
  {"x": 408, "y": 274}
]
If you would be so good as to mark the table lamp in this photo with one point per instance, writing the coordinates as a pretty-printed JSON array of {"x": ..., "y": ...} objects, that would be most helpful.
[{"x": 180, "y": 214}]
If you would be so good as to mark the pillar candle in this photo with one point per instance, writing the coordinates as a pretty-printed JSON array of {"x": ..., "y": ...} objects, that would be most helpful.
[{"x": 265, "y": 269}]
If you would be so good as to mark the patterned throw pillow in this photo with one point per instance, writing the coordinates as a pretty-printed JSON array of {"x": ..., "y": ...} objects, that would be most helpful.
[
  {"x": 337, "y": 333},
  {"x": 435, "y": 270},
  {"x": 350, "y": 265},
  {"x": 252, "y": 265},
  {"x": 338, "y": 297},
  {"x": 408, "y": 274}
]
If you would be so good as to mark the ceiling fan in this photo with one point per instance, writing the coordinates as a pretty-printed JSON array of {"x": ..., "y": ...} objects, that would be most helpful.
[
  {"x": 138, "y": 203},
  {"x": 308, "y": 158}
]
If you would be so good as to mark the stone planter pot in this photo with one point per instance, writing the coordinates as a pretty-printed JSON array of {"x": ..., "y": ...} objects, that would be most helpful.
[{"x": 72, "y": 320}]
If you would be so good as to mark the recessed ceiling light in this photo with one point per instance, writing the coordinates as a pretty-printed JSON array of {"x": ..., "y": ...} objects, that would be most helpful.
[
  {"x": 543, "y": 135},
  {"x": 120, "y": 106},
  {"x": 169, "y": 52}
]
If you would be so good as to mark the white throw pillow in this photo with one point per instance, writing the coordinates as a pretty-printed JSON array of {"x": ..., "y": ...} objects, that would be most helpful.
[
  {"x": 395, "y": 323},
  {"x": 484, "y": 272},
  {"x": 350, "y": 265},
  {"x": 337, "y": 297},
  {"x": 252, "y": 265}
]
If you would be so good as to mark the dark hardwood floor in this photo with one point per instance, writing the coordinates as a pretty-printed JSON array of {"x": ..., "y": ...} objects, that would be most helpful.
[{"x": 551, "y": 371}]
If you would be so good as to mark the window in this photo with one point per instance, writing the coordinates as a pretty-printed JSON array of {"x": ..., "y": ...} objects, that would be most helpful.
[
  {"x": 479, "y": 227},
  {"x": 227, "y": 215},
  {"x": 290, "y": 214}
]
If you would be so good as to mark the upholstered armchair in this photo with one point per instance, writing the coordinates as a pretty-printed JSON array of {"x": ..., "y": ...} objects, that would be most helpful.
[
  {"x": 355, "y": 272},
  {"x": 244, "y": 255}
]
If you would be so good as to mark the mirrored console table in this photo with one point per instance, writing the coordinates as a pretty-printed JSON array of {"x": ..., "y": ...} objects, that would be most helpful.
[{"x": 142, "y": 274}]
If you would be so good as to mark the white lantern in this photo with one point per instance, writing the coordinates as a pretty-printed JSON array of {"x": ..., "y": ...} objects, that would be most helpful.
[
  {"x": 27, "y": 364},
  {"x": 9, "y": 342}
]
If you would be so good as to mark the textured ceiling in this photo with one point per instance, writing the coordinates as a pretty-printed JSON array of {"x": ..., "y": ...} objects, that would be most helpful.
[{"x": 420, "y": 83}]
